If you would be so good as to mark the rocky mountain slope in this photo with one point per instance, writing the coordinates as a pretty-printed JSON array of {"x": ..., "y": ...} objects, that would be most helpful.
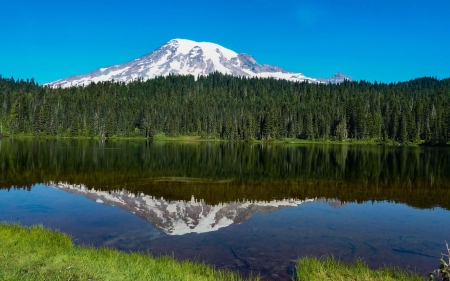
[{"x": 186, "y": 57}]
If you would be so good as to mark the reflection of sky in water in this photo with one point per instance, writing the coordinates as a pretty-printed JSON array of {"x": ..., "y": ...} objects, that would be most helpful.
[{"x": 381, "y": 233}]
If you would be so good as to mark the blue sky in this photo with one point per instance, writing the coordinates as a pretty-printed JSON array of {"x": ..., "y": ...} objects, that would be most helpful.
[{"x": 387, "y": 41}]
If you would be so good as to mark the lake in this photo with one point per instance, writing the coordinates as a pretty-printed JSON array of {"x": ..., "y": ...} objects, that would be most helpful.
[{"x": 254, "y": 208}]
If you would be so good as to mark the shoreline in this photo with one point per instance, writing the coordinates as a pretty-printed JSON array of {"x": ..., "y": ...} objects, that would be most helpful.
[
  {"x": 187, "y": 138},
  {"x": 39, "y": 253}
]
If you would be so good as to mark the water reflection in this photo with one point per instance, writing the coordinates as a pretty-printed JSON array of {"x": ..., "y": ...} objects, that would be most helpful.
[
  {"x": 196, "y": 189},
  {"x": 268, "y": 243},
  {"x": 227, "y": 172},
  {"x": 181, "y": 217}
]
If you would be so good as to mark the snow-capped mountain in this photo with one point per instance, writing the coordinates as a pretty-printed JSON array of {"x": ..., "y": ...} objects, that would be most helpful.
[
  {"x": 336, "y": 78},
  {"x": 184, "y": 57},
  {"x": 180, "y": 217}
]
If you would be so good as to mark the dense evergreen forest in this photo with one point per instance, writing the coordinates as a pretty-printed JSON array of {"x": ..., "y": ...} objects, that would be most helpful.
[{"x": 233, "y": 108}]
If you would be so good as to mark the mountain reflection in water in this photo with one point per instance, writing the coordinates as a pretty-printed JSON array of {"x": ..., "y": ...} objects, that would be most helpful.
[
  {"x": 396, "y": 200},
  {"x": 180, "y": 217}
]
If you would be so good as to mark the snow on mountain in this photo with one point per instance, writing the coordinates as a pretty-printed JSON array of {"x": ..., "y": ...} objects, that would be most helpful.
[
  {"x": 184, "y": 57},
  {"x": 336, "y": 78},
  {"x": 180, "y": 217}
]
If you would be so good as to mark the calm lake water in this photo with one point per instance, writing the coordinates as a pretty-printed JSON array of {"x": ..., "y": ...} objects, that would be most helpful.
[{"x": 247, "y": 207}]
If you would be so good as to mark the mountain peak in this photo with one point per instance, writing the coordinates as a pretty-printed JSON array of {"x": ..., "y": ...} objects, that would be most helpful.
[
  {"x": 185, "y": 46},
  {"x": 338, "y": 77},
  {"x": 187, "y": 57}
]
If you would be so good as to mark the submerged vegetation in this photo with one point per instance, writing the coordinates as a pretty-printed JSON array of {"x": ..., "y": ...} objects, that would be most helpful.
[
  {"x": 36, "y": 253},
  {"x": 233, "y": 108}
]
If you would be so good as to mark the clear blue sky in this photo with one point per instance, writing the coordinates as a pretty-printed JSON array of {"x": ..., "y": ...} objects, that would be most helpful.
[{"x": 387, "y": 41}]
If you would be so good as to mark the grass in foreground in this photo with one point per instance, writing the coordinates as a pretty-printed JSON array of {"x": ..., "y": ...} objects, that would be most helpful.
[
  {"x": 329, "y": 268},
  {"x": 36, "y": 253}
]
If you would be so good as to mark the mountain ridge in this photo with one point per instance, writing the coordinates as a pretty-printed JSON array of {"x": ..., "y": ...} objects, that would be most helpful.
[{"x": 187, "y": 57}]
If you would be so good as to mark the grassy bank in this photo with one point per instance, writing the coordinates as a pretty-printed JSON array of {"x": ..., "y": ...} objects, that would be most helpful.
[
  {"x": 329, "y": 268},
  {"x": 36, "y": 253},
  {"x": 196, "y": 138}
]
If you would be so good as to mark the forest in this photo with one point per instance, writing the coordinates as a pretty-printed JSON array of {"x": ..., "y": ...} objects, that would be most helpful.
[{"x": 220, "y": 106}]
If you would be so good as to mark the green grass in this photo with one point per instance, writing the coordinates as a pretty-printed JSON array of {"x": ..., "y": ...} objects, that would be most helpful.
[
  {"x": 37, "y": 253},
  {"x": 189, "y": 138},
  {"x": 329, "y": 268},
  {"x": 349, "y": 141},
  {"x": 197, "y": 138},
  {"x": 163, "y": 137}
]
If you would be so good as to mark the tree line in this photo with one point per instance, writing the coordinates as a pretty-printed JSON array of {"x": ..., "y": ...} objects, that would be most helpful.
[{"x": 232, "y": 108}]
